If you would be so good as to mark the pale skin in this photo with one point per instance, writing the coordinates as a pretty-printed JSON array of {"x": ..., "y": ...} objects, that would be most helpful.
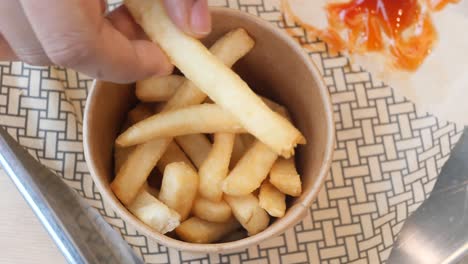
[{"x": 81, "y": 35}]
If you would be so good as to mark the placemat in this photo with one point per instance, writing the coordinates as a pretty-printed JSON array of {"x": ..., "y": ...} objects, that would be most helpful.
[{"x": 387, "y": 158}]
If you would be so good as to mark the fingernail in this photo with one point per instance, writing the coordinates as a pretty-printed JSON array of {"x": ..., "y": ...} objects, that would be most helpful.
[{"x": 200, "y": 21}]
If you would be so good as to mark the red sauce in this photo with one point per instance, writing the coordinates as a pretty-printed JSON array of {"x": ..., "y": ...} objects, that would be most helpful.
[
  {"x": 397, "y": 26},
  {"x": 440, "y": 4}
]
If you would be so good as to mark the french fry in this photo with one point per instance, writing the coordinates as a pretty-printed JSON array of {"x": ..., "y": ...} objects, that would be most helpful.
[
  {"x": 204, "y": 118},
  {"x": 157, "y": 88},
  {"x": 151, "y": 190},
  {"x": 272, "y": 200},
  {"x": 196, "y": 146},
  {"x": 284, "y": 176},
  {"x": 230, "y": 48},
  {"x": 136, "y": 169},
  {"x": 277, "y": 108},
  {"x": 140, "y": 112},
  {"x": 196, "y": 230},
  {"x": 247, "y": 140},
  {"x": 214, "y": 78},
  {"x": 238, "y": 151},
  {"x": 248, "y": 212},
  {"x": 154, "y": 213},
  {"x": 121, "y": 156},
  {"x": 218, "y": 212},
  {"x": 250, "y": 171},
  {"x": 215, "y": 167},
  {"x": 173, "y": 154},
  {"x": 179, "y": 188}
]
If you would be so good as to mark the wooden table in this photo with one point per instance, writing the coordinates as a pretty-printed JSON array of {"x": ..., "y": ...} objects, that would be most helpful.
[{"x": 22, "y": 237}]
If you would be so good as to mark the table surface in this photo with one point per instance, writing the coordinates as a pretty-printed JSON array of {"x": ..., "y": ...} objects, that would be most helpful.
[{"x": 22, "y": 237}]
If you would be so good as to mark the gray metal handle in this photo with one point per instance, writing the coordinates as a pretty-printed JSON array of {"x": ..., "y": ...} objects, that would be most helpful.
[{"x": 79, "y": 230}]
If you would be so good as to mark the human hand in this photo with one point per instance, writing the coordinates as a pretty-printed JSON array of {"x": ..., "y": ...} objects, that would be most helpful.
[{"x": 77, "y": 34}]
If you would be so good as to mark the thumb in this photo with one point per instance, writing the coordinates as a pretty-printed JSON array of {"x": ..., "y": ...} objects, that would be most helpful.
[{"x": 192, "y": 16}]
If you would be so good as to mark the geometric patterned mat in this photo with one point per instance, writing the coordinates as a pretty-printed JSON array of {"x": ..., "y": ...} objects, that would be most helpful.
[{"x": 387, "y": 158}]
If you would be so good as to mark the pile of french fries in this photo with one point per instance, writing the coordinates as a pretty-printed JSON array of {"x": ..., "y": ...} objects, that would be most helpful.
[{"x": 202, "y": 154}]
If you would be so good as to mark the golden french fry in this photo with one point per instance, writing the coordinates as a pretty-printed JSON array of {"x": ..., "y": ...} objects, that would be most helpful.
[
  {"x": 173, "y": 154},
  {"x": 204, "y": 118},
  {"x": 208, "y": 101},
  {"x": 154, "y": 213},
  {"x": 238, "y": 151},
  {"x": 272, "y": 200},
  {"x": 151, "y": 190},
  {"x": 250, "y": 171},
  {"x": 138, "y": 113},
  {"x": 196, "y": 146},
  {"x": 215, "y": 167},
  {"x": 218, "y": 212},
  {"x": 158, "y": 88},
  {"x": 136, "y": 169},
  {"x": 248, "y": 212},
  {"x": 247, "y": 140},
  {"x": 179, "y": 188},
  {"x": 120, "y": 156},
  {"x": 214, "y": 78},
  {"x": 196, "y": 230},
  {"x": 230, "y": 48},
  {"x": 284, "y": 176},
  {"x": 277, "y": 108}
]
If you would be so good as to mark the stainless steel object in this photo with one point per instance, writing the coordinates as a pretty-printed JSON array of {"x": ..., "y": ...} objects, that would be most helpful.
[
  {"x": 79, "y": 230},
  {"x": 438, "y": 231}
]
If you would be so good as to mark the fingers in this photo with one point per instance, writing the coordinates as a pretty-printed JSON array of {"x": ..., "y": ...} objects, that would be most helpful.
[
  {"x": 122, "y": 60},
  {"x": 122, "y": 20},
  {"x": 16, "y": 29},
  {"x": 192, "y": 16},
  {"x": 6, "y": 53},
  {"x": 89, "y": 43}
]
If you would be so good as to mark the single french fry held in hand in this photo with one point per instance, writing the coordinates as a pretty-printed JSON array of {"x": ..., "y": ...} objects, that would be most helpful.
[
  {"x": 196, "y": 230},
  {"x": 158, "y": 88},
  {"x": 272, "y": 200},
  {"x": 229, "y": 49},
  {"x": 154, "y": 213},
  {"x": 248, "y": 212},
  {"x": 218, "y": 212},
  {"x": 214, "y": 78},
  {"x": 204, "y": 118},
  {"x": 215, "y": 167},
  {"x": 179, "y": 188},
  {"x": 250, "y": 171},
  {"x": 284, "y": 176},
  {"x": 238, "y": 151},
  {"x": 196, "y": 146},
  {"x": 277, "y": 108},
  {"x": 173, "y": 154}
]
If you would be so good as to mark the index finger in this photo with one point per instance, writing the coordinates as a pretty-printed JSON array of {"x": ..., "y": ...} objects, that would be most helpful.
[{"x": 85, "y": 41}]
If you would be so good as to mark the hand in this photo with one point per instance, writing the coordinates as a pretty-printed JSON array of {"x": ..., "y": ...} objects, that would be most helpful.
[{"x": 77, "y": 34}]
